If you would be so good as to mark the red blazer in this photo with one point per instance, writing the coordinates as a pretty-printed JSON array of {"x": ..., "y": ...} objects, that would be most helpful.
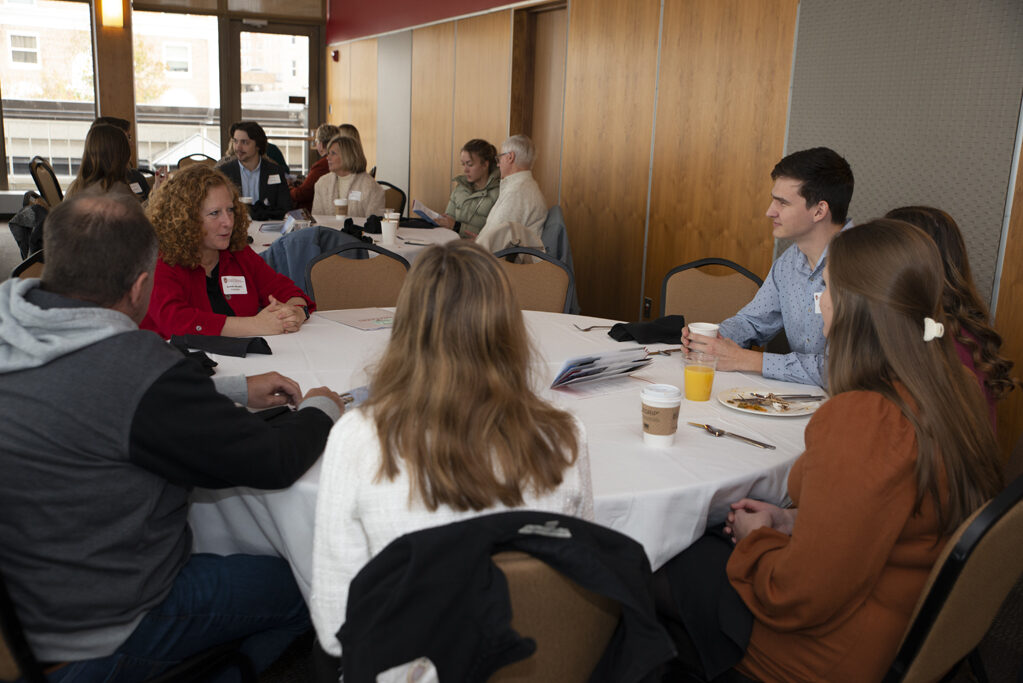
[
  {"x": 179, "y": 304},
  {"x": 302, "y": 196}
]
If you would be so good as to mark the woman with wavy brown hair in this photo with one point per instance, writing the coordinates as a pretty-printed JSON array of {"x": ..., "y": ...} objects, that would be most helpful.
[
  {"x": 452, "y": 428},
  {"x": 104, "y": 166},
  {"x": 208, "y": 281},
  {"x": 977, "y": 343},
  {"x": 895, "y": 461}
]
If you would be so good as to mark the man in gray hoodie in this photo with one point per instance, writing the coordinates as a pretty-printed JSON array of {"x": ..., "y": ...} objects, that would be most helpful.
[{"x": 106, "y": 429}]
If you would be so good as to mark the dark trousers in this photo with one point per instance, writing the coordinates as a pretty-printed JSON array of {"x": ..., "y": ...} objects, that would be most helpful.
[{"x": 706, "y": 618}]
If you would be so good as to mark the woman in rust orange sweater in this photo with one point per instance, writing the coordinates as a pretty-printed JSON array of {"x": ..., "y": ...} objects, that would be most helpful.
[{"x": 894, "y": 462}]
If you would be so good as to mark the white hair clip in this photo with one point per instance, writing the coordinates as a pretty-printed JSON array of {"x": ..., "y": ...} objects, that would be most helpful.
[{"x": 932, "y": 329}]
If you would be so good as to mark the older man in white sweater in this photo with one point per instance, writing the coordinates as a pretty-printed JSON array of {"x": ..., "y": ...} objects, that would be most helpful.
[{"x": 521, "y": 202}]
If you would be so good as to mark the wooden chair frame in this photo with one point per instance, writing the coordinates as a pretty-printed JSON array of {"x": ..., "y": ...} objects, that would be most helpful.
[
  {"x": 43, "y": 175},
  {"x": 30, "y": 267}
]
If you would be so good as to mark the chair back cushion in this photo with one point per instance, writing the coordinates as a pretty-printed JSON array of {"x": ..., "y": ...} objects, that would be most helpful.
[
  {"x": 988, "y": 575},
  {"x": 339, "y": 282},
  {"x": 704, "y": 297},
  {"x": 540, "y": 286},
  {"x": 571, "y": 625}
]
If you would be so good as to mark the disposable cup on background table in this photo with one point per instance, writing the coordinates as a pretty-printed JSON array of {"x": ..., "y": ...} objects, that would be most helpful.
[
  {"x": 699, "y": 375},
  {"x": 341, "y": 207},
  {"x": 388, "y": 231},
  {"x": 392, "y": 216},
  {"x": 661, "y": 405},
  {"x": 703, "y": 329},
  {"x": 245, "y": 200}
]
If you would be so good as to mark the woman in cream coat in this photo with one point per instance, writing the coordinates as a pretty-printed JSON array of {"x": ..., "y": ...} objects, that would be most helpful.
[{"x": 347, "y": 178}]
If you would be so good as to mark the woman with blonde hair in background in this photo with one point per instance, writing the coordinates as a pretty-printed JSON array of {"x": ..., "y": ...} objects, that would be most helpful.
[
  {"x": 969, "y": 326},
  {"x": 452, "y": 428},
  {"x": 302, "y": 194},
  {"x": 347, "y": 179},
  {"x": 895, "y": 461},
  {"x": 207, "y": 280}
]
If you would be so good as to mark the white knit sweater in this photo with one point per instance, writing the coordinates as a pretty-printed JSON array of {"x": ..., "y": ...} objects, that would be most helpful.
[
  {"x": 356, "y": 516},
  {"x": 520, "y": 201}
]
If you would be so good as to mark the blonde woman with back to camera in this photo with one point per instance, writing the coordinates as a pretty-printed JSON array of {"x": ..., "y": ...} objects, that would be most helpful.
[
  {"x": 451, "y": 430},
  {"x": 347, "y": 179},
  {"x": 895, "y": 461}
]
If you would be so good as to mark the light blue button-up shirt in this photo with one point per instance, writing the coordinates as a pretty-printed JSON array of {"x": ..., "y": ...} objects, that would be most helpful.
[
  {"x": 787, "y": 300},
  {"x": 250, "y": 181}
]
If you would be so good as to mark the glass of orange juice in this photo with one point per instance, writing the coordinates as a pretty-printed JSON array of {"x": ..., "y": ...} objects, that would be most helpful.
[{"x": 699, "y": 375}]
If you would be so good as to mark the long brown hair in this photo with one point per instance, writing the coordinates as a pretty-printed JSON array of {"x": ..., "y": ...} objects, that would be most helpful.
[
  {"x": 968, "y": 315},
  {"x": 174, "y": 211},
  {"x": 452, "y": 397},
  {"x": 884, "y": 278},
  {"x": 104, "y": 159}
]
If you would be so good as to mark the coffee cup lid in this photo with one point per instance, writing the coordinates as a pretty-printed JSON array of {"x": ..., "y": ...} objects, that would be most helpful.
[{"x": 661, "y": 392}]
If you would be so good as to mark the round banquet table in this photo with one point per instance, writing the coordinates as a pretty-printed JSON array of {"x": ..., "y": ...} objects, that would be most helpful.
[
  {"x": 663, "y": 498},
  {"x": 410, "y": 242}
]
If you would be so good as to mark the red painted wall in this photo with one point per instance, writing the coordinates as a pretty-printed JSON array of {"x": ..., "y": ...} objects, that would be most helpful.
[{"x": 348, "y": 19}]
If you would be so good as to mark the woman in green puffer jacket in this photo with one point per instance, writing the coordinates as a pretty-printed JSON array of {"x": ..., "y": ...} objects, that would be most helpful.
[{"x": 475, "y": 192}]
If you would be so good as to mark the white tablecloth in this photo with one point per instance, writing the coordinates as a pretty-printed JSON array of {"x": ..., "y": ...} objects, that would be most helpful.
[
  {"x": 663, "y": 498},
  {"x": 261, "y": 240}
]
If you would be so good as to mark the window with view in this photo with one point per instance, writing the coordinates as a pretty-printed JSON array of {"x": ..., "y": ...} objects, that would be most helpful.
[{"x": 48, "y": 100}]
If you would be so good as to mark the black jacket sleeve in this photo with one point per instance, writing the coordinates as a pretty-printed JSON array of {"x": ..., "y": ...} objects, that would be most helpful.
[
  {"x": 274, "y": 200},
  {"x": 187, "y": 432}
]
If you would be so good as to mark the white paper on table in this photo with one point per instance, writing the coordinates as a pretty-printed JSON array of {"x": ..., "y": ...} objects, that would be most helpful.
[{"x": 361, "y": 318}]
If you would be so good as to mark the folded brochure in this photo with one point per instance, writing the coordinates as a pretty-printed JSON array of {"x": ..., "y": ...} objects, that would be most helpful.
[{"x": 599, "y": 366}]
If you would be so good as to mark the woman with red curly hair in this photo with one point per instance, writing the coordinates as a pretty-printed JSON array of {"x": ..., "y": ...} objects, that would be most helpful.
[{"x": 208, "y": 281}]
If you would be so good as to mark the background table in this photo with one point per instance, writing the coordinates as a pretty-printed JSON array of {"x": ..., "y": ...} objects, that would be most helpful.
[
  {"x": 262, "y": 240},
  {"x": 664, "y": 498}
]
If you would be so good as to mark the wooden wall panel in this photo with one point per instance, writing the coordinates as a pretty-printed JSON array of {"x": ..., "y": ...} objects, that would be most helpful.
[
  {"x": 338, "y": 82},
  {"x": 1009, "y": 320},
  {"x": 433, "y": 74},
  {"x": 549, "y": 99},
  {"x": 609, "y": 99},
  {"x": 722, "y": 101},
  {"x": 482, "y": 82},
  {"x": 362, "y": 99},
  {"x": 115, "y": 91}
]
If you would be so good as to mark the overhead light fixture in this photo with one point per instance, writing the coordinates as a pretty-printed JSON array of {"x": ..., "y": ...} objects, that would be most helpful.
[{"x": 111, "y": 13}]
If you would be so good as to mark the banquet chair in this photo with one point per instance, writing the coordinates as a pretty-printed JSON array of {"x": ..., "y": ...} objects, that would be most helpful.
[
  {"x": 394, "y": 197},
  {"x": 192, "y": 159},
  {"x": 543, "y": 285},
  {"x": 571, "y": 625},
  {"x": 336, "y": 282},
  {"x": 30, "y": 267},
  {"x": 555, "y": 242},
  {"x": 699, "y": 296},
  {"x": 18, "y": 663},
  {"x": 46, "y": 181},
  {"x": 974, "y": 574}
]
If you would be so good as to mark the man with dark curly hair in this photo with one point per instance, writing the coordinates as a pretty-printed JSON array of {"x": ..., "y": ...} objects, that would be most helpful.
[
  {"x": 107, "y": 428},
  {"x": 255, "y": 175}
]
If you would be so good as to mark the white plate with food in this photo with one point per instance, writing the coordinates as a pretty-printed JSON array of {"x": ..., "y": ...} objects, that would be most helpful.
[{"x": 762, "y": 402}]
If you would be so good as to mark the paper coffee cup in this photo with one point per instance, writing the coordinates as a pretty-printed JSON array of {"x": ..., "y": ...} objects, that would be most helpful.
[
  {"x": 341, "y": 207},
  {"x": 704, "y": 329},
  {"x": 661, "y": 405},
  {"x": 392, "y": 216},
  {"x": 388, "y": 231},
  {"x": 245, "y": 200}
]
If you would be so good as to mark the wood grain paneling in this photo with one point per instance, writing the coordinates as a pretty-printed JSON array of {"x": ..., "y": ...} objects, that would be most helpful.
[
  {"x": 433, "y": 75},
  {"x": 362, "y": 99},
  {"x": 482, "y": 82},
  {"x": 115, "y": 78},
  {"x": 1009, "y": 320},
  {"x": 723, "y": 94},
  {"x": 548, "y": 98},
  {"x": 338, "y": 82},
  {"x": 609, "y": 100}
]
